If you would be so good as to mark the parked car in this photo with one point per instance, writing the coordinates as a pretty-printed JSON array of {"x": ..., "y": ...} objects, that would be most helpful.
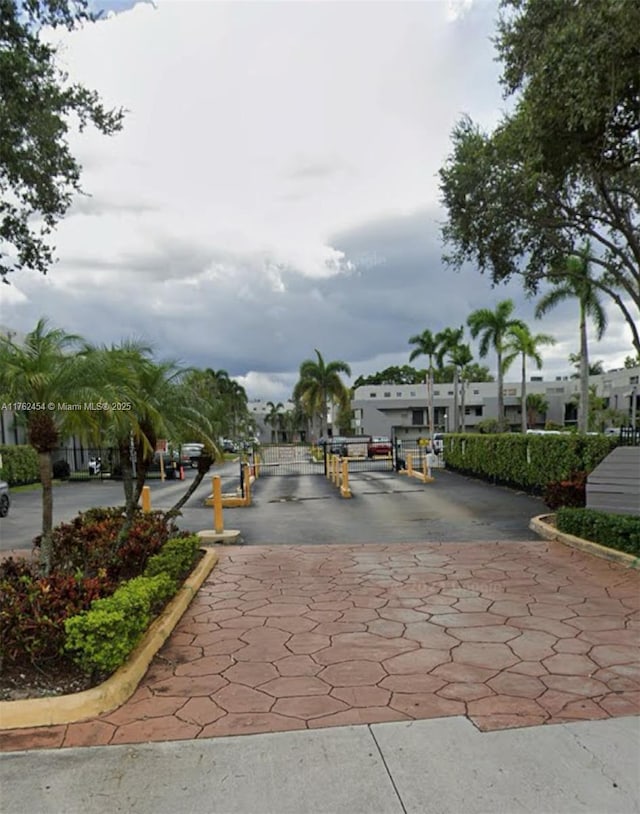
[
  {"x": 228, "y": 445},
  {"x": 336, "y": 445},
  {"x": 379, "y": 445},
  {"x": 438, "y": 443},
  {"x": 170, "y": 462},
  {"x": 189, "y": 454},
  {"x": 5, "y": 501}
]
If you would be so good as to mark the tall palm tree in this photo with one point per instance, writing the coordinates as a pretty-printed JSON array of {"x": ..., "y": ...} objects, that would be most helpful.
[
  {"x": 521, "y": 342},
  {"x": 274, "y": 418},
  {"x": 48, "y": 372},
  {"x": 319, "y": 386},
  {"x": 492, "y": 327},
  {"x": 426, "y": 345},
  {"x": 460, "y": 357},
  {"x": 574, "y": 281},
  {"x": 449, "y": 342}
]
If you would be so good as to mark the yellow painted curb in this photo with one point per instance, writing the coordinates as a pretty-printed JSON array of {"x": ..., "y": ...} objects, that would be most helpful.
[
  {"x": 550, "y": 532},
  {"x": 112, "y": 693}
]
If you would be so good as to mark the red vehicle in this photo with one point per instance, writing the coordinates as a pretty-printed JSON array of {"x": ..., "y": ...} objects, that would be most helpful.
[{"x": 379, "y": 445}]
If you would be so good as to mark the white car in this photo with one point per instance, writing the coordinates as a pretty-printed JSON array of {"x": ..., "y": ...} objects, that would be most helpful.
[{"x": 5, "y": 502}]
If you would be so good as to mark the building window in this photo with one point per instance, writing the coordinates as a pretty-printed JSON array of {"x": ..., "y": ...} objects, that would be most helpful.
[
  {"x": 387, "y": 395},
  {"x": 436, "y": 392},
  {"x": 373, "y": 395},
  {"x": 633, "y": 379},
  {"x": 476, "y": 392},
  {"x": 412, "y": 393},
  {"x": 449, "y": 392},
  {"x": 417, "y": 418}
]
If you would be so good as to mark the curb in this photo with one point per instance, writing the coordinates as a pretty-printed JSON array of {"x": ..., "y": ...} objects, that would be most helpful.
[
  {"x": 118, "y": 688},
  {"x": 550, "y": 532}
]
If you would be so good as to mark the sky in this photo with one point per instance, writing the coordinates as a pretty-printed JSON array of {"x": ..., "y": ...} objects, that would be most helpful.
[{"x": 275, "y": 187}]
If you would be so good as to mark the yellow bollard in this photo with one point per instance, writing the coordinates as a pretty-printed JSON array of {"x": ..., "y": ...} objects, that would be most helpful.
[
  {"x": 218, "y": 523},
  {"x": 146, "y": 499},
  {"x": 247, "y": 485},
  {"x": 409, "y": 464},
  {"x": 344, "y": 488}
]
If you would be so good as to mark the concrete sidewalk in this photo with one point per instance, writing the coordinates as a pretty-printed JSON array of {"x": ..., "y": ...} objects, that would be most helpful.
[{"x": 437, "y": 766}]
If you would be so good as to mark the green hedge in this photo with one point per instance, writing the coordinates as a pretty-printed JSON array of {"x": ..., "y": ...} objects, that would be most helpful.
[
  {"x": 101, "y": 639},
  {"x": 19, "y": 464},
  {"x": 526, "y": 461},
  {"x": 618, "y": 531}
]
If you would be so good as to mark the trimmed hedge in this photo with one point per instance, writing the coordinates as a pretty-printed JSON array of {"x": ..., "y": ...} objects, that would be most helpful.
[
  {"x": 101, "y": 639},
  {"x": 19, "y": 464},
  {"x": 618, "y": 531},
  {"x": 527, "y": 462}
]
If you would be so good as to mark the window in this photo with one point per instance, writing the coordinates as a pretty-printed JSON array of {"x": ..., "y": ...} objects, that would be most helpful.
[
  {"x": 387, "y": 394},
  {"x": 449, "y": 392},
  {"x": 436, "y": 392},
  {"x": 476, "y": 392},
  {"x": 412, "y": 393},
  {"x": 398, "y": 394},
  {"x": 473, "y": 410},
  {"x": 417, "y": 418},
  {"x": 633, "y": 379},
  {"x": 373, "y": 395}
]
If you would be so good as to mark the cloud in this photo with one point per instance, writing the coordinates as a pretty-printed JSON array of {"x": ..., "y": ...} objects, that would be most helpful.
[{"x": 274, "y": 189}]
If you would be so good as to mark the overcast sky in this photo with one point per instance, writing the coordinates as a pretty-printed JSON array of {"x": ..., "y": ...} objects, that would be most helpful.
[{"x": 274, "y": 189}]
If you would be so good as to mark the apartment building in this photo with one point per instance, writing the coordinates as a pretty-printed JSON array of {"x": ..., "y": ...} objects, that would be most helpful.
[{"x": 401, "y": 410}]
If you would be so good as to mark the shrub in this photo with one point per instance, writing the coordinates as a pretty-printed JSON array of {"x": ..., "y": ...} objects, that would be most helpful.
[
  {"x": 89, "y": 543},
  {"x": 101, "y": 639},
  {"x": 572, "y": 492},
  {"x": 176, "y": 557},
  {"x": 33, "y": 610},
  {"x": 618, "y": 531},
  {"x": 61, "y": 470},
  {"x": 19, "y": 464},
  {"x": 526, "y": 461}
]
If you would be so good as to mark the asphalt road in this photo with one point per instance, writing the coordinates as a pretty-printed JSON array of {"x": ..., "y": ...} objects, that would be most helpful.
[{"x": 295, "y": 509}]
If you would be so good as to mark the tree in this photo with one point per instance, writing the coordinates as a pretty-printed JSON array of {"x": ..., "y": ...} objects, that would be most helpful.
[
  {"x": 537, "y": 405},
  {"x": 521, "y": 342},
  {"x": 404, "y": 374},
  {"x": 472, "y": 373},
  {"x": 426, "y": 345},
  {"x": 46, "y": 374},
  {"x": 320, "y": 385},
  {"x": 631, "y": 361},
  {"x": 578, "y": 284},
  {"x": 492, "y": 326},
  {"x": 38, "y": 174},
  {"x": 274, "y": 417},
  {"x": 595, "y": 368},
  {"x": 461, "y": 357},
  {"x": 449, "y": 343},
  {"x": 564, "y": 165}
]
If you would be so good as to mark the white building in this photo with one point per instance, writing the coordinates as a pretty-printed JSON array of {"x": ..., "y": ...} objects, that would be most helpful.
[{"x": 401, "y": 410}]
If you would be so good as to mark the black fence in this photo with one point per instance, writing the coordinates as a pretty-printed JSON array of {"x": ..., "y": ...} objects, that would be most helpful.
[
  {"x": 629, "y": 436},
  {"x": 97, "y": 463}
]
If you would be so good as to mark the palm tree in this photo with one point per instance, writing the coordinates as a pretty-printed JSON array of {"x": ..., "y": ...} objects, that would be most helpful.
[
  {"x": 574, "y": 281},
  {"x": 449, "y": 342},
  {"x": 460, "y": 357},
  {"x": 426, "y": 345},
  {"x": 537, "y": 405},
  {"x": 492, "y": 326},
  {"x": 49, "y": 372},
  {"x": 595, "y": 368},
  {"x": 274, "y": 418},
  {"x": 320, "y": 385},
  {"x": 521, "y": 342}
]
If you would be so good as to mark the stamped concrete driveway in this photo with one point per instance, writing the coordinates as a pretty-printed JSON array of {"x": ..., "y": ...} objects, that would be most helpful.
[{"x": 293, "y": 637}]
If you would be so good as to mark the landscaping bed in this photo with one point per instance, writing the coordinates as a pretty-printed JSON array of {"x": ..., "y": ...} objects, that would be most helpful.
[{"x": 69, "y": 630}]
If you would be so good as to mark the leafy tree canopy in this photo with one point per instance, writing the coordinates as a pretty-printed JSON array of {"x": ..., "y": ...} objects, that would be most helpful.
[
  {"x": 38, "y": 174},
  {"x": 564, "y": 165},
  {"x": 395, "y": 374}
]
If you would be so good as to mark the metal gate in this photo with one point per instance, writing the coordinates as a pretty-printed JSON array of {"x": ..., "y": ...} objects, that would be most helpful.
[
  {"x": 289, "y": 459},
  {"x": 312, "y": 459}
]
